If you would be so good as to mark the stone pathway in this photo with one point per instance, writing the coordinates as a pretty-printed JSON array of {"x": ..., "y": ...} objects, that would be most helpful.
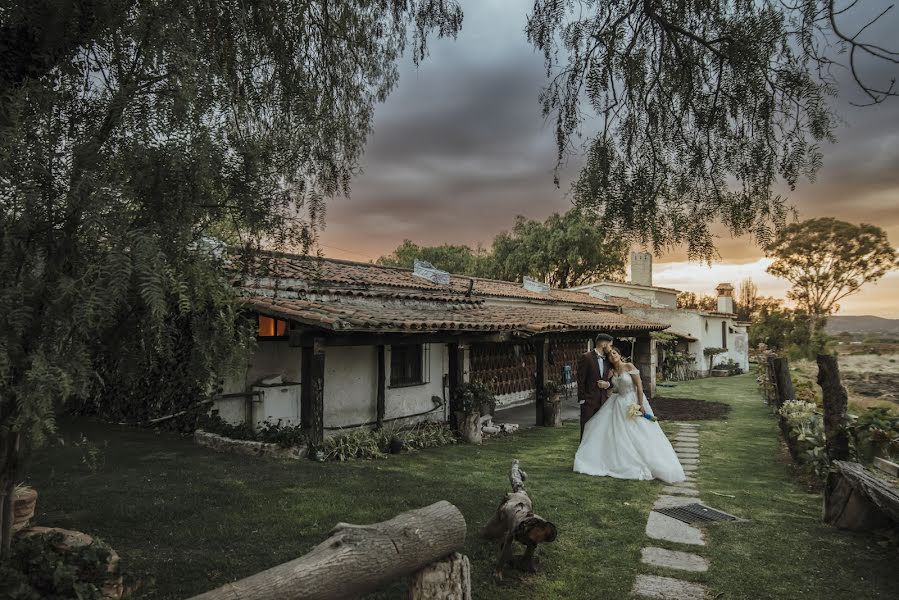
[{"x": 676, "y": 533}]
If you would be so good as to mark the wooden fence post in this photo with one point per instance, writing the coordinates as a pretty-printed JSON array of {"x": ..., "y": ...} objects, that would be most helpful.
[
  {"x": 782, "y": 381},
  {"x": 835, "y": 403}
]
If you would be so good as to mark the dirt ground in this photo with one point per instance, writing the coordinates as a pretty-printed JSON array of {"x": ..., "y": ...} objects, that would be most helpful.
[
  {"x": 870, "y": 379},
  {"x": 686, "y": 409}
]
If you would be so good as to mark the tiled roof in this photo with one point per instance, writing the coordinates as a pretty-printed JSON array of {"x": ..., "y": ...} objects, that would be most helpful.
[
  {"x": 628, "y": 302},
  {"x": 351, "y": 314},
  {"x": 307, "y": 273}
]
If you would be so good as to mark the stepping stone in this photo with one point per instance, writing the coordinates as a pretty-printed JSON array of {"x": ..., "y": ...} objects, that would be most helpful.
[
  {"x": 668, "y": 588},
  {"x": 686, "y": 440},
  {"x": 688, "y": 454},
  {"x": 672, "y": 501},
  {"x": 686, "y": 445},
  {"x": 689, "y": 469},
  {"x": 685, "y": 484},
  {"x": 689, "y": 461},
  {"x": 671, "y": 559},
  {"x": 687, "y": 436},
  {"x": 671, "y": 489},
  {"x": 669, "y": 529},
  {"x": 689, "y": 426}
]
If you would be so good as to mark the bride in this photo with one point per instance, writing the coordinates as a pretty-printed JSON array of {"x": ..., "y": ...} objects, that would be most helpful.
[{"x": 619, "y": 445}]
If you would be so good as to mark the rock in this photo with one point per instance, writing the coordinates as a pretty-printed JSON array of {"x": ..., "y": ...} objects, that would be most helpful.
[
  {"x": 671, "y": 559},
  {"x": 669, "y": 529},
  {"x": 668, "y": 588},
  {"x": 223, "y": 444},
  {"x": 114, "y": 587}
]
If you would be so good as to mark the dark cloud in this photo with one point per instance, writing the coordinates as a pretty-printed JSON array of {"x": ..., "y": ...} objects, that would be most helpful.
[{"x": 461, "y": 147}]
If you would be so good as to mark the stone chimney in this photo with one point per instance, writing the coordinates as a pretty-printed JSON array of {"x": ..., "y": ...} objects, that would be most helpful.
[
  {"x": 725, "y": 298},
  {"x": 641, "y": 268}
]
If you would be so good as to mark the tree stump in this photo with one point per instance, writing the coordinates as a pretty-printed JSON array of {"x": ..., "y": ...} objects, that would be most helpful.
[
  {"x": 515, "y": 520},
  {"x": 783, "y": 381},
  {"x": 858, "y": 500},
  {"x": 552, "y": 410},
  {"x": 357, "y": 559},
  {"x": 24, "y": 502},
  {"x": 469, "y": 426},
  {"x": 835, "y": 403},
  {"x": 447, "y": 579}
]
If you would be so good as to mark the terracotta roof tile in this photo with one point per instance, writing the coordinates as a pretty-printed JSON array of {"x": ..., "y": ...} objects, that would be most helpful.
[{"x": 351, "y": 315}]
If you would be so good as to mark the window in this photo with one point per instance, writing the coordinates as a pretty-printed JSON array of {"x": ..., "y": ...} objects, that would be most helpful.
[
  {"x": 723, "y": 334},
  {"x": 406, "y": 365},
  {"x": 269, "y": 327}
]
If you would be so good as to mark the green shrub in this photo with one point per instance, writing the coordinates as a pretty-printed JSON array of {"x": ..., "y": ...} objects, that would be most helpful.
[
  {"x": 285, "y": 436},
  {"x": 730, "y": 365},
  {"x": 875, "y": 433},
  {"x": 37, "y": 569},
  {"x": 378, "y": 443},
  {"x": 806, "y": 430},
  {"x": 475, "y": 397}
]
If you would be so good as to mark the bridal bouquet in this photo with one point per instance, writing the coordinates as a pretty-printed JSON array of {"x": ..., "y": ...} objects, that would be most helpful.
[{"x": 634, "y": 411}]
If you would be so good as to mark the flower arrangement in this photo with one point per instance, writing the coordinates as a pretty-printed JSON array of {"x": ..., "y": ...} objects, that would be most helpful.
[{"x": 635, "y": 411}]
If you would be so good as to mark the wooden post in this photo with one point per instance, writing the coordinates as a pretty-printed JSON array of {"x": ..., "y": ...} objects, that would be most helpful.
[
  {"x": 784, "y": 383},
  {"x": 382, "y": 384},
  {"x": 357, "y": 559},
  {"x": 835, "y": 403},
  {"x": 456, "y": 379},
  {"x": 541, "y": 348},
  {"x": 313, "y": 392}
]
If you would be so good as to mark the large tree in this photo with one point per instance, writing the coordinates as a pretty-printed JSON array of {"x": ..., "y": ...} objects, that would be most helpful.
[
  {"x": 827, "y": 260},
  {"x": 131, "y": 129},
  {"x": 458, "y": 259},
  {"x": 703, "y": 107},
  {"x": 564, "y": 251}
]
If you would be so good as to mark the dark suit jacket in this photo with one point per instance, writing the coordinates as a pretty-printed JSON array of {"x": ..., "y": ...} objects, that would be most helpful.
[{"x": 588, "y": 376}]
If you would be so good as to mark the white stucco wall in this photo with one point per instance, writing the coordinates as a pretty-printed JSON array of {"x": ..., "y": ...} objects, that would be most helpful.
[
  {"x": 351, "y": 379},
  {"x": 415, "y": 399},
  {"x": 274, "y": 357},
  {"x": 707, "y": 330}
]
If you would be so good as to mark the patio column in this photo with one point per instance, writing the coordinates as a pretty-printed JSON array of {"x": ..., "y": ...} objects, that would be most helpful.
[
  {"x": 541, "y": 349},
  {"x": 646, "y": 359},
  {"x": 382, "y": 385},
  {"x": 312, "y": 392},
  {"x": 456, "y": 378}
]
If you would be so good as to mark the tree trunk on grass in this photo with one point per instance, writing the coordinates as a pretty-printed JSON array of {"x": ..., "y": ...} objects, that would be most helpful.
[
  {"x": 835, "y": 403},
  {"x": 448, "y": 579},
  {"x": 469, "y": 426},
  {"x": 515, "y": 520},
  {"x": 856, "y": 499},
  {"x": 357, "y": 559}
]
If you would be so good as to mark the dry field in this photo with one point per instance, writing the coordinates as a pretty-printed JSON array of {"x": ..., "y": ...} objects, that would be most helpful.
[{"x": 870, "y": 379}]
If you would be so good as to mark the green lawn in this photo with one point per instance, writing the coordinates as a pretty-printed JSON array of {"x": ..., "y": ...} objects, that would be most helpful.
[
  {"x": 185, "y": 519},
  {"x": 785, "y": 551}
]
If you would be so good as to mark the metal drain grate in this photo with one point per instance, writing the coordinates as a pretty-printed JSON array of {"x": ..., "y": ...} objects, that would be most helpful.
[{"x": 697, "y": 513}]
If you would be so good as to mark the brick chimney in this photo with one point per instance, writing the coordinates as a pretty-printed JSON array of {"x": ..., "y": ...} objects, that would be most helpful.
[
  {"x": 641, "y": 268},
  {"x": 725, "y": 298}
]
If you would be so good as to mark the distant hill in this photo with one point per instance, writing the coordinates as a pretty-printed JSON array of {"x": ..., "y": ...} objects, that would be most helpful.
[{"x": 862, "y": 324}]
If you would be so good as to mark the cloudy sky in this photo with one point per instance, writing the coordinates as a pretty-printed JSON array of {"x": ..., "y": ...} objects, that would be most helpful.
[{"x": 460, "y": 148}]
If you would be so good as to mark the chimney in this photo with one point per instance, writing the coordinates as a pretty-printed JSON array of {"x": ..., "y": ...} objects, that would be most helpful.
[
  {"x": 641, "y": 268},
  {"x": 725, "y": 298}
]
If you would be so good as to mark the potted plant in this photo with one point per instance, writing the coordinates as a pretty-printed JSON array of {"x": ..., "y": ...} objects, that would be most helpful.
[
  {"x": 552, "y": 403},
  {"x": 472, "y": 399}
]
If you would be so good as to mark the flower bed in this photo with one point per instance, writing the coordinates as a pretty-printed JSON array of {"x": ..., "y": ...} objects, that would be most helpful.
[{"x": 221, "y": 443}]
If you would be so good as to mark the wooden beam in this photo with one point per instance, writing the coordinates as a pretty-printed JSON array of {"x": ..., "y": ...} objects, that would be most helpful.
[
  {"x": 785, "y": 391},
  {"x": 377, "y": 339},
  {"x": 456, "y": 378},
  {"x": 541, "y": 349},
  {"x": 382, "y": 384}
]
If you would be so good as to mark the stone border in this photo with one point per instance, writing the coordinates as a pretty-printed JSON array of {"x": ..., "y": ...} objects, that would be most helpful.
[{"x": 247, "y": 447}]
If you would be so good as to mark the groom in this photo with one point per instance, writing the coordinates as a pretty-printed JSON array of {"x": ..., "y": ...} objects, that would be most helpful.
[{"x": 593, "y": 378}]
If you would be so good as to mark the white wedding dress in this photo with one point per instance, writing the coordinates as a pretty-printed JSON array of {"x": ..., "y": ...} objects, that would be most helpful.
[{"x": 618, "y": 445}]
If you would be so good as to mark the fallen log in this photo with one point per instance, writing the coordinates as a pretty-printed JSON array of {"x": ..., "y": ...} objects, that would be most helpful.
[
  {"x": 357, "y": 559},
  {"x": 447, "y": 579},
  {"x": 856, "y": 499},
  {"x": 515, "y": 521}
]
